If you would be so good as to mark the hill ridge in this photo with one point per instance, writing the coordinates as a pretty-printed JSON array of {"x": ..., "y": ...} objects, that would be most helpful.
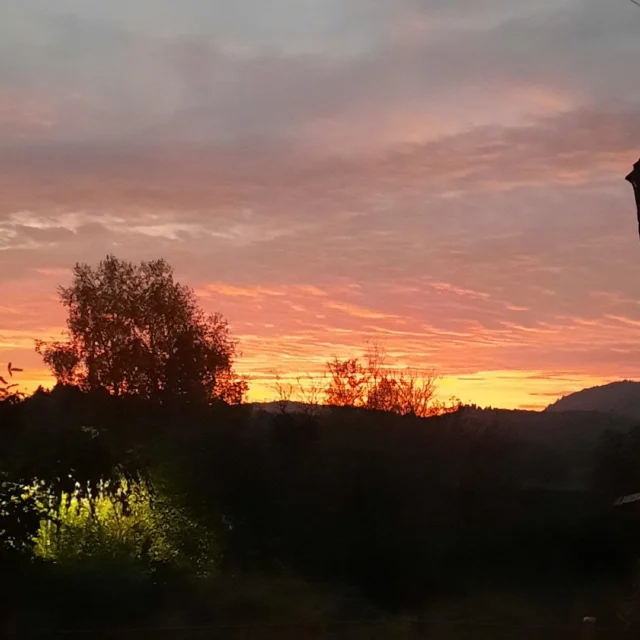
[{"x": 621, "y": 397}]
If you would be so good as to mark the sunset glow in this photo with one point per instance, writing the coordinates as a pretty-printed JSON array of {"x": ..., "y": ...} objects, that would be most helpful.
[{"x": 446, "y": 181}]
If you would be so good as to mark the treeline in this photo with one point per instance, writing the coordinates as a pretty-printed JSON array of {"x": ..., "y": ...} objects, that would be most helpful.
[{"x": 142, "y": 486}]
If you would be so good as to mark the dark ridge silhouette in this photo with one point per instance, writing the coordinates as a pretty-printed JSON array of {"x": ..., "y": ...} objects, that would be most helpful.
[{"x": 621, "y": 398}]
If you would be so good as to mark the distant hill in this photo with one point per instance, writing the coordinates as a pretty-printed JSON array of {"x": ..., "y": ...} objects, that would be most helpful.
[{"x": 622, "y": 398}]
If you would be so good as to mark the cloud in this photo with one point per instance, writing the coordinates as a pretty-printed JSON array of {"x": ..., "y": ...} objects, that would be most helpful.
[
  {"x": 326, "y": 72},
  {"x": 359, "y": 312},
  {"x": 257, "y": 291}
]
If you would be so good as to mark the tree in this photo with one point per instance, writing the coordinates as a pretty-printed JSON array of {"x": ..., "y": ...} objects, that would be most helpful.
[
  {"x": 133, "y": 330},
  {"x": 348, "y": 382},
  {"x": 375, "y": 385}
]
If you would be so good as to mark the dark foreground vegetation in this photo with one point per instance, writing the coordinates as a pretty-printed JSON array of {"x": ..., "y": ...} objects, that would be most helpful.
[
  {"x": 117, "y": 511},
  {"x": 132, "y": 496}
]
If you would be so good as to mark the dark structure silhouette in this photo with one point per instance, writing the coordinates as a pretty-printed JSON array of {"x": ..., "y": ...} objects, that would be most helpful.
[{"x": 634, "y": 179}]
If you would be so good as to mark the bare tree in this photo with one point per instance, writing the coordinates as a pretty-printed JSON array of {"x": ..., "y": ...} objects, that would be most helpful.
[
  {"x": 373, "y": 384},
  {"x": 284, "y": 393}
]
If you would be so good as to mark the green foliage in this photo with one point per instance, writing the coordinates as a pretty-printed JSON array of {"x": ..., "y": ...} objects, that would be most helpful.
[
  {"x": 132, "y": 523},
  {"x": 20, "y": 513},
  {"x": 92, "y": 480}
]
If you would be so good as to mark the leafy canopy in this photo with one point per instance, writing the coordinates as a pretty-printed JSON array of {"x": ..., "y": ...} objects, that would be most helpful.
[{"x": 133, "y": 330}]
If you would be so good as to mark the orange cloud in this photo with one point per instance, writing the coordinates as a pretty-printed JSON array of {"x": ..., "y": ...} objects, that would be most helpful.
[
  {"x": 445, "y": 287},
  {"x": 359, "y": 312},
  {"x": 222, "y": 289}
]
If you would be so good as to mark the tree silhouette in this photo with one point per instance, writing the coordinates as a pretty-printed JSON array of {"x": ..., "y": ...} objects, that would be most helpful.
[
  {"x": 7, "y": 387},
  {"x": 133, "y": 330},
  {"x": 372, "y": 384}
]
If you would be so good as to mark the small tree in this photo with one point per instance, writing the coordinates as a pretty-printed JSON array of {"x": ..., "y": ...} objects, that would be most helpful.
[
  {"x": 133, "y": 330},
  {"x": 375, "y": 385}
]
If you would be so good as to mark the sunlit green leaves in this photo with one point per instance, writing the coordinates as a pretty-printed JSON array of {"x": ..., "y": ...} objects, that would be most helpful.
[{"x": 126, "y": 521}]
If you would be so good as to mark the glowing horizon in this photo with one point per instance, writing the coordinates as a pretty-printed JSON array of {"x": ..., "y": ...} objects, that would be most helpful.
[
  {"x": 507, "y": 389},
  {"x": 497, "y": 389}
]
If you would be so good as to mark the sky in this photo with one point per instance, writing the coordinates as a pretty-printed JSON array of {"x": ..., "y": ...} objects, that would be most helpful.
[{"x": 443, "y": 178}]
